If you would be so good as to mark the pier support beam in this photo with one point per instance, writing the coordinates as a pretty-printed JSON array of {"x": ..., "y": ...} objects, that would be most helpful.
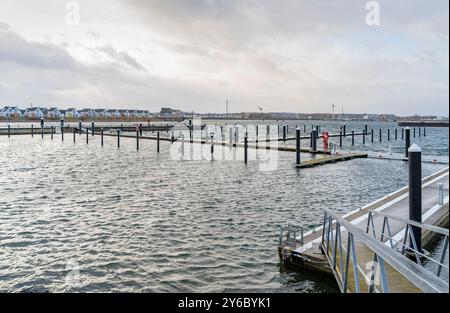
[
  {"x": 415, "y": 192},
  {"x": 297, "y": 146}
]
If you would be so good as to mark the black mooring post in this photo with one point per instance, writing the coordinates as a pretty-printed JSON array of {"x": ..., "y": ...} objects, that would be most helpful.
[
  {"x": 118, "y": 138},
  {"x": 87, "y": 135},
  {"x": 157, "y": 142},
  {"x": 380, "y": 136},
  {"x": 424, "y": 131},
  {"x": 101, "y": 134},
  {"x": 79, "y": 127},
  {"x": 345, "y": 130},
  {"x": 297, "y": 146},
  {"x": 42, "y": 132},
  {"x": 414, "y": 131},
  {"x": 74, "y": 132},
  {"x": 317, "y": 130},
  {"x": 415, "y": 192},
  {"x": 403, "y": 133},
  {"x": 366, "y": 129},
  {"x": 372, "y": 133},
  {"x": 407, "y": 140},
  {"x": 62, "y": 133},
  {"x": 257, "y": 134},
  {"x": 420, "y": 132},
  {"x": 311, "y": 139},
  {"x": 340, "y": 138},
  {"x": 245, "y": 149},
  {"x": 212, "y": 147},
  {"x": 364, "y": 136},
  {"x": 389, "y": 134},
  {"x": 314, "y": 140},
  {"x": 137, "y": 139},
  {"x": 353, "y": 137},
  {"x": 62, "y": 122},
  {"x": 9, "y": 131},
  {"x": 140, "y": 129},
  {"x": 93, "y": 127},
  {"x": 304, "y": 129},
  {"x": 32, "y": 130},
  {"x": 396, "y": 133},
  {"x": 51, "y": 132},
  {"x": 284, "y": 132}
]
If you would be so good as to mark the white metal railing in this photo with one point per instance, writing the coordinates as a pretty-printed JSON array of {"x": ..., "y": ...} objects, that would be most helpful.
[{"x": 361, "y": 247}]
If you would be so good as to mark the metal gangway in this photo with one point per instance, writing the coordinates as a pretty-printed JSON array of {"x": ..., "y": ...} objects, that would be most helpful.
[{"x": 368, "y": 258}]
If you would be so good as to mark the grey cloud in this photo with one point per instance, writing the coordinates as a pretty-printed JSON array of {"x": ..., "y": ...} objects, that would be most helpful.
[{"x": 121, "y": 57}]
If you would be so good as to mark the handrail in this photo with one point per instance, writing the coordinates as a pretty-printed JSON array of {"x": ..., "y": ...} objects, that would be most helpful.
[
  {"x": 417, "y": 275},
  {"x": 436, "y": 229}
]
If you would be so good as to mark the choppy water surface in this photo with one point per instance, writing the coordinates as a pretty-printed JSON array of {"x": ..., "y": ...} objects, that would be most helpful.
[{"x": 77, "y": 217}]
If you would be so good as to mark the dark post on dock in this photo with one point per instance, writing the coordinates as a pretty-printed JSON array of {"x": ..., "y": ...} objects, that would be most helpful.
[
  {"x": 140, "y": 129},
  {"x": 245, "y": 149},
  {"x": 353, "y": 137},
  {"x": 407, "y": 140},
  {"x": 51, "y": 132},
  {"x": 415, "y": 193},
  {"x": 9, "y": 131},
  {"x": 284, "y": 132},
  {"x": 372, "y": 135},
  {"x": 87, "y": 136},
  {"x": 380, "y": 135},
  {"x": 157, "y": 142},
  {"x": 32, "y": 130},
  {"x": 364, "y": 136},
  {"x": 366, "y": 129},
  {"x": 389, "y": 134},
  {"x": 74, "y": 132},
  {"x": 297, "y": 146},
  {"x": 314, "y": 140},
  {"x": 93, "y": 127},
  {"x": 118, "y": 138},
  {"x": 62, "y": 133},
  {"x": 42, "y": 127},
  {"x": 137, "y": 139},
  {"x": 345, "y": 130},
  {"x": 340, "y": 138},
  {"x": 79, "y": 127},
  {"x": 101, "y": 135}
]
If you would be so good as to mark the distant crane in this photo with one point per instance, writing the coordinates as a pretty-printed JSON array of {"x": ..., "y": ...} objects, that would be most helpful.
[{"x": 260, "y": 112}]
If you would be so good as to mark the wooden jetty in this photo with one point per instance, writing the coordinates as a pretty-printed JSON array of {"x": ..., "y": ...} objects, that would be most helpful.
[
  {"x": 314, "y": 250},
  {"x": 331, "y": 159},
  {"x": 424, "y": 123}
]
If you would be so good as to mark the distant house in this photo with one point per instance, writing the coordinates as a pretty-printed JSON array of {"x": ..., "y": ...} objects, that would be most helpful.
[
  {"x": 99, "y": 112},
  {"x": 53, "y": 113},
  {"x": 10, "y": 112},
  {"x": 124, "y": 113},
  {"x": 72, "y": 113},
  {"x": 112, "y": 113},
  {"x": 34, "y": 112},
  {"x": 86, "y": 113}
]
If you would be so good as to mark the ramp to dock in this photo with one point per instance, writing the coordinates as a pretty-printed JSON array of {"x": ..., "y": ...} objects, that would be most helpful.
[{"x": 325, "y": 249}]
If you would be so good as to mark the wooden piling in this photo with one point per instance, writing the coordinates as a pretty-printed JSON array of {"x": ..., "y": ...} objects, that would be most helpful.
[
  {"x": 74, "y": 132},
  {"x": 372, "y": 135},
  {"x": 118, "y": 138},
  {"x": 101, "y": 135},
  {"x": 389, "y": 134},
  {"x": 51, "y": 132},
  {"x": 340, "y": 138},
  {"x": 87, "y": 135},
  {"x": 32, "y": 130},
  {"x": 353, "y": 137}
]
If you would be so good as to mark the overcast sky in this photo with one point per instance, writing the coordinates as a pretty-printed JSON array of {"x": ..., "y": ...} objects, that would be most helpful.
[{"x": 281, "y": 55}]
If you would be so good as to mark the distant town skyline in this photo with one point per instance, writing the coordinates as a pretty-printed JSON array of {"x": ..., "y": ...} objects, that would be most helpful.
[{"x": 281, "y": 56}]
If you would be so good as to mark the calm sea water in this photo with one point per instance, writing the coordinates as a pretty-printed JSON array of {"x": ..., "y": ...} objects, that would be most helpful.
[{"x": 79, "y": 218}]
